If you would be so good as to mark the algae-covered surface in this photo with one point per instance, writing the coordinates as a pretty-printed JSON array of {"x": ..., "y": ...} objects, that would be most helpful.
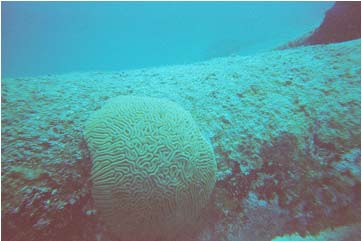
[{"x": 284, "y": 126}]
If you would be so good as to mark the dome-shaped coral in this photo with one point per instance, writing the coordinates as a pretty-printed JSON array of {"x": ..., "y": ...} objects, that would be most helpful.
[{"x": 153, "y": 172}]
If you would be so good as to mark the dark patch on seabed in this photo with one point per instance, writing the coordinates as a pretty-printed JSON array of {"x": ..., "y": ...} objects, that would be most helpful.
[{"x": 284, "y": 125}]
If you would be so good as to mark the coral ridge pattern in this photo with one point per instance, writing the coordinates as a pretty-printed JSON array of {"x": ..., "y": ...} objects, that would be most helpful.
[{"x": 153, "y": 172}]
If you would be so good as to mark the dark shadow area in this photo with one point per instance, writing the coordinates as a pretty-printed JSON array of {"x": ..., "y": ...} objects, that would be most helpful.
[{"x": 341, "y": 23}]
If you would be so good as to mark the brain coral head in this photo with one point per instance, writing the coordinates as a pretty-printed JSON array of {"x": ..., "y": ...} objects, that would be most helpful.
[{"x": 153, "y": 172}]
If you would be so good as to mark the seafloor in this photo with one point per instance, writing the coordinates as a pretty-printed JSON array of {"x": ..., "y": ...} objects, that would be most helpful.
[{"x": 284, "y": 125}]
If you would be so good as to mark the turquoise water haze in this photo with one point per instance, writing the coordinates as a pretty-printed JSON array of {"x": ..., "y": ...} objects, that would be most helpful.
[
  {"x": 57, "y": 37},
  {"x": 188, "y": 121}
]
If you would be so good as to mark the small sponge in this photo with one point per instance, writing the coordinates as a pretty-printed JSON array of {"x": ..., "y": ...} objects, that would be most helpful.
[{"x": 153, "y": 172}]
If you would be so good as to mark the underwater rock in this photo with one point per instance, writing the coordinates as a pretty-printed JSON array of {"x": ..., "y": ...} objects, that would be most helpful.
[
  {"x": 254, "y": 219},
  {"x": 287, "y": 170},
  {"x": 46, "y": 216},
  {"x": 350, "y": 164},
  {"x": 349, "y": 232},
  {"x": 341, "y": 23},
  {"x": 292, "y": 120}
]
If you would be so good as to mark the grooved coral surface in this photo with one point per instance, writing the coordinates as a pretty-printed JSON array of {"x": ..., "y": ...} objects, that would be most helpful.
[{"x": 153, "y": 171}]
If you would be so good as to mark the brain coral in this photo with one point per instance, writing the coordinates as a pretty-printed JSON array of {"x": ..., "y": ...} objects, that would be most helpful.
[{"x": 153, "y": 172}]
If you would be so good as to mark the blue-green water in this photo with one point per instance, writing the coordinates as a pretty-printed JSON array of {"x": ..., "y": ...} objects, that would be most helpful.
[
  {"x": 103, "y": 137},
  {"x": 58, "y": 37}
]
